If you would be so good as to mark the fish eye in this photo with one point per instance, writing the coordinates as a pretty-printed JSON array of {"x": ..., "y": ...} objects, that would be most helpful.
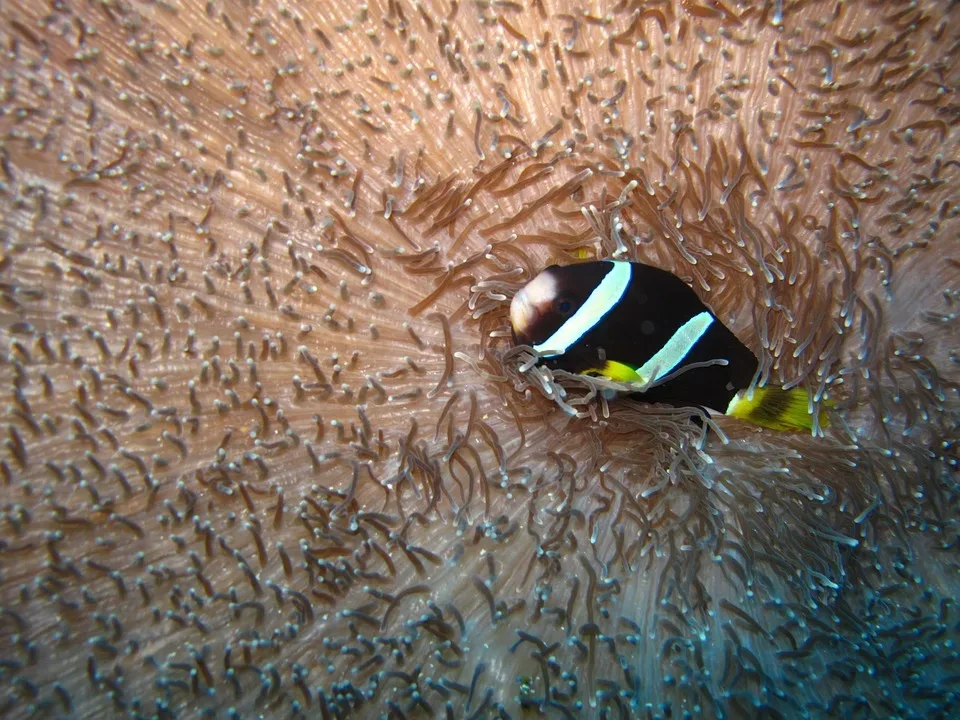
[{"x": 564, "y": 307}]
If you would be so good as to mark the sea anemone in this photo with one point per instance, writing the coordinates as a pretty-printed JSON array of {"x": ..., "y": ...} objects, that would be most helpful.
[{"x": 268, "y": 447}]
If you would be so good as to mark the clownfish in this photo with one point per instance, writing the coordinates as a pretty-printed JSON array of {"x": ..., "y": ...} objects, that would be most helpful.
[{"x": 633, "y": 323}]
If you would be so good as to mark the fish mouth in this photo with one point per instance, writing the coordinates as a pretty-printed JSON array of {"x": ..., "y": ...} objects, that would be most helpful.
[{"x": 522, "y": 316}]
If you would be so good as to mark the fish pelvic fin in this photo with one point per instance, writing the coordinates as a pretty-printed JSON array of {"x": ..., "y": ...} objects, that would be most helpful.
[
  {"x": 777, "y": 409},
  {"x": 616, "y": 371}
]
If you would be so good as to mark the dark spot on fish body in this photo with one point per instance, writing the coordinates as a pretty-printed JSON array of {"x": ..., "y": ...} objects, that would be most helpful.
[{"x": 647, "y": 327}]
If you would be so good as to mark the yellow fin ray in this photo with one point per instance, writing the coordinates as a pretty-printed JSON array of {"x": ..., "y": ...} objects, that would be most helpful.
[{"x": 776, "y": 408}]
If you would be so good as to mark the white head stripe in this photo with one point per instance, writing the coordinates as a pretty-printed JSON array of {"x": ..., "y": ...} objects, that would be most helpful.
[
  {"x": 601, "y": 301},
  {"x": 666, "y": 359}
]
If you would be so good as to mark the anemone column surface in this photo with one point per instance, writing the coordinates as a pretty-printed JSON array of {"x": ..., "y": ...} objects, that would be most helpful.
[{"x": 268, "y": 448}]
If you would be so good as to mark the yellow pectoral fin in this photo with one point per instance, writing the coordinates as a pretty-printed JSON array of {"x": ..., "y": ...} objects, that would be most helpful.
[{"x": 618, "y": 372}]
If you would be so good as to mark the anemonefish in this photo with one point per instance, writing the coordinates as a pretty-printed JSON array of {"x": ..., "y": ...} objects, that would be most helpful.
[{"x": 634, "y": 323}]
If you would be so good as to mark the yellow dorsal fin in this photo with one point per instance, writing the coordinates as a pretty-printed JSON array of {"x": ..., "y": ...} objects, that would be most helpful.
[
  {"x": 776, "y": 408},
  {"x": 616, "y": 371}
]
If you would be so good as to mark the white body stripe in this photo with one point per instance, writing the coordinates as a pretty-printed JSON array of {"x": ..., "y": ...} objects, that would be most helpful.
[
  {"x": 601, "y": 301},
  {"x": 666, "y": 359}
]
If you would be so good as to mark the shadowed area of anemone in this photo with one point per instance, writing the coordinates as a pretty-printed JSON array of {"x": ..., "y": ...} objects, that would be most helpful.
[{"x": 268, "y": 449}]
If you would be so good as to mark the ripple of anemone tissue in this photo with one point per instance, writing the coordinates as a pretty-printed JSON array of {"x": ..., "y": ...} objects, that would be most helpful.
[{"x": 268, "y": 451}]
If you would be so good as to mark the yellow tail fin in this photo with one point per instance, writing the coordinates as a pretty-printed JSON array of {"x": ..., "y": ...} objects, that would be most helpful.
[{"x": 776, "y": 408}]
